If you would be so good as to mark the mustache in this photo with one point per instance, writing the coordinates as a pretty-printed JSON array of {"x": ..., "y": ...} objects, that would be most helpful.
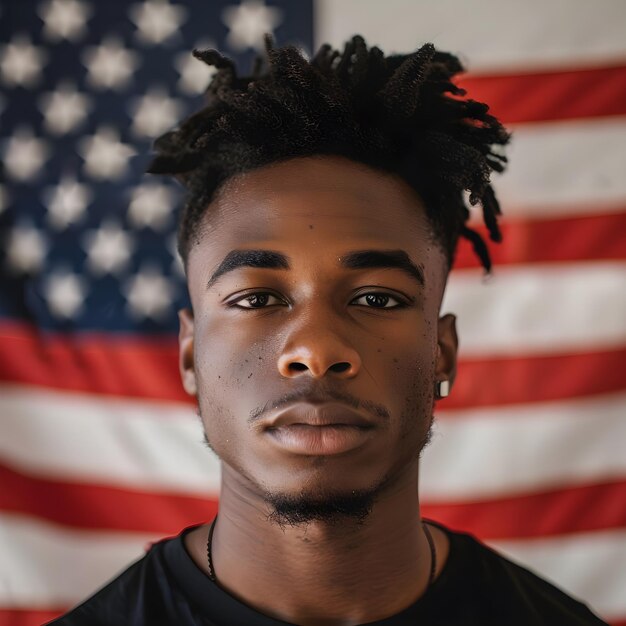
[{"x": 319, "y": 395}]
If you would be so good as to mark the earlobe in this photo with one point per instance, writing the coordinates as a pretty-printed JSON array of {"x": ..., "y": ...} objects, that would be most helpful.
[
  {"x": 447, "y": 346},
  {"x": 185, "y": 351}
]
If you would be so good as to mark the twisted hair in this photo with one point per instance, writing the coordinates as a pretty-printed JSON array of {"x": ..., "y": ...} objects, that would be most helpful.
[{"x": 401, "y": 114}]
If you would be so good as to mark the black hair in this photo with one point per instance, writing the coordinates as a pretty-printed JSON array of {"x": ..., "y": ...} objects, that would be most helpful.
[{"x": 401, "y": 114}]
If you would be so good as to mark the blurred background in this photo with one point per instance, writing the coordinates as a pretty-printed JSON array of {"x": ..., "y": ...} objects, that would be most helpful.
[{"x": 101, "y": 451}]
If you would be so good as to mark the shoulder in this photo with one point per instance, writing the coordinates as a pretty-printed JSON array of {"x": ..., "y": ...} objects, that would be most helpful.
[
  {"x": 138, "y": 595},
  {"x": 508, "y": 591}
]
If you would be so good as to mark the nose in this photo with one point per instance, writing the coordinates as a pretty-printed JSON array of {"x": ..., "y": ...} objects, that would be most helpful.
[{"x": 318, "y": 352}]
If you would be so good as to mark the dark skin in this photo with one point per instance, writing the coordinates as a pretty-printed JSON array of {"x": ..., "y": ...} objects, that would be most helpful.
[{"x": 317, "y": 329}]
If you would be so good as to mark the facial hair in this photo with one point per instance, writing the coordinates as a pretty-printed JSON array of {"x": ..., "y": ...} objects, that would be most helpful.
[{"x": 332, "y": 508}]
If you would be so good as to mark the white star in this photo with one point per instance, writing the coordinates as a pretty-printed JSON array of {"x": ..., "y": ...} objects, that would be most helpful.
[
  {"x": 248, "y": 22},
  {"x": 65, "y": 293},
  {"x": 21, "y": 62},
  {"x": 151, "y": 205},
  {"x": 25, "y": 154},
  {"x": 110, "y": 65},
  {"x": 66, "y": 202},
  {"x": 64, "y": 19},
  {"x": 195, "y": 75},
  {"x": 105, "y": 155},
  {"x": 157, "y": 20},
  {"x": 108, "y": 248},
  {"x": 64, "y": 109},
  {"x": 149, "y": 294},
  {"x": 26, "y": 249},
  {"x": 154, "y": 113}
]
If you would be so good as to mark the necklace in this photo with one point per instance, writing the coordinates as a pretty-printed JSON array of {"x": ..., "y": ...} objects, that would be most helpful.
[
  {"x": 208, "y": 552},
  {"x": 429, "y": 538}
]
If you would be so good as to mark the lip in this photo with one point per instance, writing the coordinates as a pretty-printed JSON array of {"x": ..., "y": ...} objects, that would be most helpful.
[{"x": 319, "y": 429}]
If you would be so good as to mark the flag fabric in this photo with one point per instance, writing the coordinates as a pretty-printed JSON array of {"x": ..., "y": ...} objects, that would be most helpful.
[{"x": 101, "y": 452}]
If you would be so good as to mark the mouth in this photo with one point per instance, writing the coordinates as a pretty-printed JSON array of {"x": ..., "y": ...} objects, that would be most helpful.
[{"x": 319, "y": 430}]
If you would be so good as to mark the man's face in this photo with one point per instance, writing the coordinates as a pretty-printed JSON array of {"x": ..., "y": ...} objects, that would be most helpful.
[{"x": 314, "y": 358}]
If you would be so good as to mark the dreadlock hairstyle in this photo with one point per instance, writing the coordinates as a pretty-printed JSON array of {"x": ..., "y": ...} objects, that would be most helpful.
[{"x": 400, "y": 113}]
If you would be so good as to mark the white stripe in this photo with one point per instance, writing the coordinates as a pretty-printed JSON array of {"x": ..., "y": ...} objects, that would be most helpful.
[
  {"x": 474, "y": 454},
  {"x": 551, "y": 211},
  {"x": 565, "y": 163},
  {"x": 589, "y": 566},
  {"x": 44, "y": 565},
  {"x": 538, "y": 309},
  {"x": 490, "y": 34},
  {"x": 503, "y": 451},
  {"x": 557, "y": 169},
  {"x": 129, "y": 443},
  {"x": 35, "y": 554}
]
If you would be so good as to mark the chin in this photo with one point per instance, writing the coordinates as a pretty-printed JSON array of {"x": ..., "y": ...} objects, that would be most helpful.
[
  {"x": 329, "y": 508},
  {"x": 325, "y": 501}
]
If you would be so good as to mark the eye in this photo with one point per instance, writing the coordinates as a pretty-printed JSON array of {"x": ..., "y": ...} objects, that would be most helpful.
[
  {"x": 257, "y": 301},
  {"x": 378, "y": 301}
]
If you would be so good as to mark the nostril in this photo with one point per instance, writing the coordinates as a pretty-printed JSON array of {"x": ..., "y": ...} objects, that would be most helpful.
[
  {"x": 339, "y": 367},
  {"x": 298, "y": 367}
]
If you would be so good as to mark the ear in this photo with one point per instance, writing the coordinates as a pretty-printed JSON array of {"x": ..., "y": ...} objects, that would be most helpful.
[
  {"x": 185, "y": 351},
  {"x": 447, "y": 347}
]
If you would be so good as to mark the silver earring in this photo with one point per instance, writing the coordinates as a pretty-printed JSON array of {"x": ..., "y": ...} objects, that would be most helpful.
[{"x": 442, "y": 388}]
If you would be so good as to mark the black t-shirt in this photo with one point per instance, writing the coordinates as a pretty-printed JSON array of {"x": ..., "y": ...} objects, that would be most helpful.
[{"x": 477, "y": 586}]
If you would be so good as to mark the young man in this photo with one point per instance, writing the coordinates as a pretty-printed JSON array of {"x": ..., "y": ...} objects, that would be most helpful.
[{"x": 325, "y": 202}]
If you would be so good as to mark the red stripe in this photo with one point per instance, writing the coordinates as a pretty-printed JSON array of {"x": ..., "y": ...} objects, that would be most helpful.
[
  {"x": 589, "y": 237},
  {"x": 545, "y": 96},
  {"x": 101, "y": 507},
  {"x": 501, "y": 381},
  {"x": 29, "y": 617},
  {"x": 117, "y": 365},
  {"x": 575, "y": 509},
  {"x": 143, "y": 368}
]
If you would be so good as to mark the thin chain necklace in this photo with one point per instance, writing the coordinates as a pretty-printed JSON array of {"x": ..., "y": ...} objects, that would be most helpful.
[
  {"x": 208, "y": 551},
  {"x": 429, "y": 538}
]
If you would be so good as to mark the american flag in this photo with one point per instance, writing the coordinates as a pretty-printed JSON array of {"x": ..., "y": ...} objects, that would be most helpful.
[{"x": 101, "y": 452}]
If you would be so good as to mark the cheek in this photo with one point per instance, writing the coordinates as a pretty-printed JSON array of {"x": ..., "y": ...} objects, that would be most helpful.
[
  {"x": 231, "y": 369},
  {"x": 415, "y": 384},
  {"x": 407, "y": 368}
]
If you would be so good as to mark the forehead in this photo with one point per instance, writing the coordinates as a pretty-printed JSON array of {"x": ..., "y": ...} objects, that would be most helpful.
[{"x": 328, "y": 198}]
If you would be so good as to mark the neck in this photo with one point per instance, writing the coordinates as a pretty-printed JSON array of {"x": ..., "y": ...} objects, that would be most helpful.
[{"x": 322, "y": 573}]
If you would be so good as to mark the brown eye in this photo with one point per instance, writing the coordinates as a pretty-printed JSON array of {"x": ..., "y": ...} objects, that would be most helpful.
[
  {"x": 257, "y": 301},
  {"x": 377, "y": 301}
]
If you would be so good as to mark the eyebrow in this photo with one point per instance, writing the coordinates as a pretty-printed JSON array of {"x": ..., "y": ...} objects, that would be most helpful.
[
  {"x": 249, "y": 258},
  {"x": 357, "y": 260},
  {"x": 384, "y": 259}
]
